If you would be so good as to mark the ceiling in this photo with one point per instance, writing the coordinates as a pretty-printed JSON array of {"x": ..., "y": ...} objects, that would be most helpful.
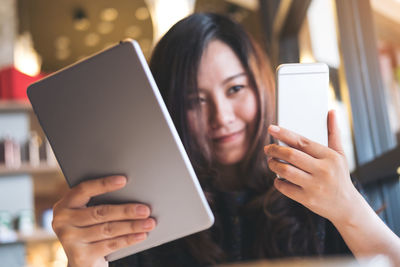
[
  {"x": 387, "y": 20},
  {"x": 65, "y": 31},
  {"x": 55, "y": 37}
]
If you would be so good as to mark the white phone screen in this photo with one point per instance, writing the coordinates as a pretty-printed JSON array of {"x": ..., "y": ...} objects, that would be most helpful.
[{"x": 302, "y": 99}]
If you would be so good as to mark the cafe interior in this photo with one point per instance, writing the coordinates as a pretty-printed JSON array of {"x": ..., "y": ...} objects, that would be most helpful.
[{"x": 359, "y": 40}]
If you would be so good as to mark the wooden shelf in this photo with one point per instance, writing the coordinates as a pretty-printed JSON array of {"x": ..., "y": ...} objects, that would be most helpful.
[
  {"x": 384, "y": 168},
  {"x": 15, "y": 106},
  {"x": 28, "y": 169},
  {"x": 38, "y": 236}
]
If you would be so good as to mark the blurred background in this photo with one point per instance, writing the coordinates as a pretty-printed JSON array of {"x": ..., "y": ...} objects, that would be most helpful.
[{"x": 358, "y": 39}]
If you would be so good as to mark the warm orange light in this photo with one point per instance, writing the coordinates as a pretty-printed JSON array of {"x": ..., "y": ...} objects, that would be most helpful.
[
  {"x": 26, "y": 59},
  {"x": 166, "y": 13},
  {"x": 109, "y": 14}
]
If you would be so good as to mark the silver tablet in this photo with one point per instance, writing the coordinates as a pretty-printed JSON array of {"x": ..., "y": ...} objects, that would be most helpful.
[{"x": 105, "y": 115}]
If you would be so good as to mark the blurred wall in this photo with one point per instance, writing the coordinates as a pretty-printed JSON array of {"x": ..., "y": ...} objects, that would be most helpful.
[{"x": 8, "y": 28}]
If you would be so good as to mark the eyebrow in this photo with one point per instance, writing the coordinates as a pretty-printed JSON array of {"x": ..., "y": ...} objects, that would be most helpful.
[
  {"x": 232, "y": 77},
  {"x": 226, "y": 80}
]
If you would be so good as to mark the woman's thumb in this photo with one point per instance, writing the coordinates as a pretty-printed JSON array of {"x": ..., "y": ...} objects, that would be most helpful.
[{"x": 334, "y": 141}]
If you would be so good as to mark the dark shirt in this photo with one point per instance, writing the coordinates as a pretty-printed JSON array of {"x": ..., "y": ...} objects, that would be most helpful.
[{"x": 232, "y": 240}]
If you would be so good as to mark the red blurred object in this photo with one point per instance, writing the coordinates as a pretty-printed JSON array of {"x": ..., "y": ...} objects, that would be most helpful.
[{"x": 13, "y": 83}]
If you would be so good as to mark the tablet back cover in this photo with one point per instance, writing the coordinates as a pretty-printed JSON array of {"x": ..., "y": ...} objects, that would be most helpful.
[{"x": 104, "y": 116}]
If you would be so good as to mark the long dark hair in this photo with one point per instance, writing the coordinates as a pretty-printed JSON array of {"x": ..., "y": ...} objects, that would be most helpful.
[{"x": 284, "y": 227}]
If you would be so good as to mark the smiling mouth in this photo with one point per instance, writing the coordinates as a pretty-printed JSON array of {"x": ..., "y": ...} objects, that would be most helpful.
[{"x": 228, "y": 138}]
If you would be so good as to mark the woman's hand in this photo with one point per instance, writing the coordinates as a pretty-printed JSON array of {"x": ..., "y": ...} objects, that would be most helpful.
[
  {"x": 317, "y": 176},
  {"x": 88, "y": 234}
]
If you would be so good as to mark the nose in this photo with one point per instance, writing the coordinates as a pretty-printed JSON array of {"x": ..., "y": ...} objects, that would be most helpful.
[{"x": 222, "y": 113}]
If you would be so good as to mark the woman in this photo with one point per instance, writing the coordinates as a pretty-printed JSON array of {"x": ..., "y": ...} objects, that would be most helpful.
[{"x": 219, "y": 90}]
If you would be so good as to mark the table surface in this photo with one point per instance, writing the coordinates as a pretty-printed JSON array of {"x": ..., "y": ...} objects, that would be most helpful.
[{"x": 377, "y": 261}]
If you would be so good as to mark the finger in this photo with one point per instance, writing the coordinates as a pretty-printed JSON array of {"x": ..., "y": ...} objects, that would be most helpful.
[
  {"x": 80, "y": 195},
  {"x": 334, "y": 141},
  {"x": 289, "y": 172},
  {"x": 293, "y": 156},
  {"x": 107, "y": 213},
  {"x": 111, "y": 230},
  {"x": 290, "y": 190},
  {"x": 105, "y": 247},
  {"x": 297, "y": 141}
]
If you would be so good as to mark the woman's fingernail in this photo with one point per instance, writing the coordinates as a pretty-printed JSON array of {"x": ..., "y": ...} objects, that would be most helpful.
[
  {"x": 140, "y": 236},
  {"x": 148, "y": 224},
  {"x": 142, "y": 210},
  {"x": 274, "y": 128},
  {"x": 118, "y": 180}
]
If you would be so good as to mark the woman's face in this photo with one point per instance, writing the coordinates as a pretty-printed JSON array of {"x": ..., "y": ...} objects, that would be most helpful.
[{"x": 227, "y": 103}]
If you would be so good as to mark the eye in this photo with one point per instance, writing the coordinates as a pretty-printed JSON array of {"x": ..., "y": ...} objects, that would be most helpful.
[
  {"x": 235, "y": 89},
  {"x": 196, "y": 101}
]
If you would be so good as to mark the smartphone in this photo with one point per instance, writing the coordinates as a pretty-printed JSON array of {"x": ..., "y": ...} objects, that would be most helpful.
[{"x": 302, "y": 100}]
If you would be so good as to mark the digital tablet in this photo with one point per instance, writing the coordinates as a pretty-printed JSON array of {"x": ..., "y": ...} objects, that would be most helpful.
[
  {"x": 104, "y": 116},
  {"x": 302, "y": 99}
]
